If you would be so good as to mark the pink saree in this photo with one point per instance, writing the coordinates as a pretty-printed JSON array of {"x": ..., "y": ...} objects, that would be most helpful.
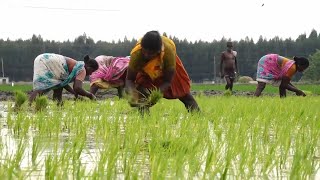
[
  {"x": 270, "y": 71},
  {"x": 111, "y": 71}
]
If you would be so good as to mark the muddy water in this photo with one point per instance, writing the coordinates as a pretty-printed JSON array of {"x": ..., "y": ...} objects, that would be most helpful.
[
  {"x": 9, "y": 96},
  {"x": 89, "y": 157}
]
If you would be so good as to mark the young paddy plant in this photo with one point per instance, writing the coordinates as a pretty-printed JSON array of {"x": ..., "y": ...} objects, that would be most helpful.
[
  {"x": 41, "y": 103},
  {"x": 151, "y": 97},
  {"x": 51, "y": 167},
  {"x": 79, "y": 172},
  {"x": 232, "y": 138},
  {"x": 20, "y": 98},
  {"x": 21, "y": 124},
  {"x": 36, "y": 149},
  {"x": 227, "y": 93},
  {"x": 20, "y": 152},
  {"x": 70, "y": 157},
  {"x": 155, "y": 96},
  {"x": 13, "y": 161}
]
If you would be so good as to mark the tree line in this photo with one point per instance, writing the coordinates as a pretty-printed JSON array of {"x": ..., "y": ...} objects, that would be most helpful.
[{"x": 200, "y": 58}]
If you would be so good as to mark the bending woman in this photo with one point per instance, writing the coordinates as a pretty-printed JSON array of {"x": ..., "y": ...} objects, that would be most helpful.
[
  {"x": 277, "y": 70},
  {"x": 112, "y": 73},
  {"x": 55, "y": 72},
  {"x": 155, "y": 64}
]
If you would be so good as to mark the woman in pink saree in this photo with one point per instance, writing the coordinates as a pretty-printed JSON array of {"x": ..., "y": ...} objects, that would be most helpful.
[
  {"x": 111, "y": 74},
  {"x": 278, "y": 71}
]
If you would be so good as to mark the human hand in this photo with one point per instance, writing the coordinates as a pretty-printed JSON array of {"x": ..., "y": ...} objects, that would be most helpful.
[
  {"x": 92, "y": 97},
  {"x": 300, "y": 93},
  {"x": 150, "y": 104},
  {"x": 79, "y": 98},
  {"x": 133, "y": 98}
]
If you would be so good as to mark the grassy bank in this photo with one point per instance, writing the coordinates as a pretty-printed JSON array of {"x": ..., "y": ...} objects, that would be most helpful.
[{"x": 252, "y": 87}]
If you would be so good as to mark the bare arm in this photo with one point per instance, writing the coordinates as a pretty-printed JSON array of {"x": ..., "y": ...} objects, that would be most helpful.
[
  {"x": 236, "y": 64},
  {"x": 221, "y": 64},
  {"x": 286, "y": 85},
  {"x": 77, "y": 87},
  {"x": 94, "y": 89},
  {"x": 120, "y": 91},
  {"x": 131, "y": 77},
  {"x": 167, "y": 79},
  {"x": 69, "y": 89},
  {"x": 296, "y": 90}
]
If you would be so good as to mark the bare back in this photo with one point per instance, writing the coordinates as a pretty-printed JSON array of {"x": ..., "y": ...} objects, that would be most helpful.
[{"x": 70, "y": 63}]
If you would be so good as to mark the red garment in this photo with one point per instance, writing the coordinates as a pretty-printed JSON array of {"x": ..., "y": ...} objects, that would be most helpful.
[{"x": 180, "y": 84}]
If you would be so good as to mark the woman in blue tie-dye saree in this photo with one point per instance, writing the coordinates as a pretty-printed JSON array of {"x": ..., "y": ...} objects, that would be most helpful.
[{"x": 55, "y": 72}]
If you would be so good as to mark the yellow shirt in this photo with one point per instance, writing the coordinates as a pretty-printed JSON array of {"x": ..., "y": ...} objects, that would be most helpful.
[{"x": 166, "y": 60}]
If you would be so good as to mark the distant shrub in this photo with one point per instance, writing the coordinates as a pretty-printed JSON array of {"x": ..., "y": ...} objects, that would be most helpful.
[{"x": 245, "y": 79}]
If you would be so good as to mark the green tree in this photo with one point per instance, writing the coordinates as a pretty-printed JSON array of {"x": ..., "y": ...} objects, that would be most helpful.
[{"x": 313, "y": 73}]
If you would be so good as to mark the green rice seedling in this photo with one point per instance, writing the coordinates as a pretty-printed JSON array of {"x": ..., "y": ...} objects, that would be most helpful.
[
  {"x": 111, "y": 162},
  {"x": 19, "y": 152},
  {"x": 20, "y": 99},
  {"x": 77, "y": 149},
  {"x": 10, "y": 117},
  {"x": 3, "y": 172},
  {"x": 99, "y": 172},
  {"x": 227, "y": 93},
  {"x": 35, "y": 150},
  {"x": 135, "y": 100},
  {"x": 150, "y": 99},
  {"x": 65, "y": 154},
  {"x": 308, "y": 93},
  {"x": 50, "y": 167},
  {"x": 155, "y": 96},
  {"x": 41, "y": 103},
  {"x": 233, "y": 138},
  {"x": 13, "y": 162},
  {"x": 78, "y": 170},
  {"x": 18, "y": 124}
]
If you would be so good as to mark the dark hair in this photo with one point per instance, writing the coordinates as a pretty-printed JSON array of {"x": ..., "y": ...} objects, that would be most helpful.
[
  {"x": 91, "y": 62},
  {"x": 229, "y": 44},
  {"x": 152, "y": 41},
  {"x": 301, "y": 61}
]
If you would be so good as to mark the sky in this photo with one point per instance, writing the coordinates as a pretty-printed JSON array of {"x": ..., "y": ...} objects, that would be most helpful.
[{"x": 205, "y": 20}]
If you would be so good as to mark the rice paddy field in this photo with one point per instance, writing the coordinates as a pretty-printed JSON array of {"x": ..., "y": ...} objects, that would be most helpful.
[
  {"x": 231, "y": 138},
  {"x": 315, "y": 88}
]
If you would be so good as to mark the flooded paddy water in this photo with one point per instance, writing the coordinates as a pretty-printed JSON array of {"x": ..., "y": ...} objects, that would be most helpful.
[{"x": 233, "y": 137}]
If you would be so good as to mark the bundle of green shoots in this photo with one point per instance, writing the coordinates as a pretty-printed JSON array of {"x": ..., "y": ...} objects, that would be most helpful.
[
  {"x": 41, "y": 103},
  {"x": 20, "y": 99},
  {"x": 138, "y": 99},
  {"x": 227, "y": 93}
]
